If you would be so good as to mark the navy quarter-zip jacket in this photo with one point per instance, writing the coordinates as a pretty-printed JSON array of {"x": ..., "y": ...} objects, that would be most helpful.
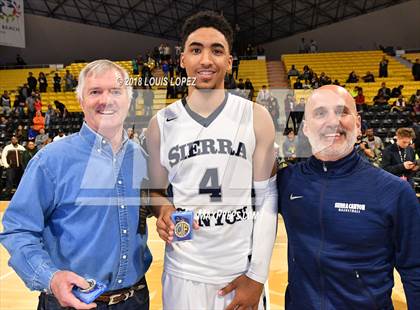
[{"x": 348, "y": 225}]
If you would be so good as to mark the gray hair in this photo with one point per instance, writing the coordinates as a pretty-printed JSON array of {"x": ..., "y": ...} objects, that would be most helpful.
[{"x": 100, "y": 66}]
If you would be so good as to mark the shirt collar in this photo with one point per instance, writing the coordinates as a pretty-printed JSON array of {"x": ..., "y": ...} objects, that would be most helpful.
[{"x": 97, "y": 140}]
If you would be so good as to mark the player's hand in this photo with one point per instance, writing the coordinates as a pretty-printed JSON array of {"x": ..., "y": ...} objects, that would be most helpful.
[
  {"x": 61, "y": 285},
  {"x": 408, "y": 165},
  {"x": 247, "y": 293}
]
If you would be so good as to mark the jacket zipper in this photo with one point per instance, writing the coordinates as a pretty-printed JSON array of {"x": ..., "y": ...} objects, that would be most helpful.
[
  {"x": 321, "y": 200},
  {"x": 365, "y": 289}
]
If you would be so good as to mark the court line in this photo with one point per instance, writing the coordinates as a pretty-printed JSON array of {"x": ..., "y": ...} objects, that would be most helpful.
[{"x": 6, "y": 275}]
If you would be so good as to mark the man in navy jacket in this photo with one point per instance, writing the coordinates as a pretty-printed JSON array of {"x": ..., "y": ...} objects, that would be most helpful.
[{"x": 348, "y": 223}]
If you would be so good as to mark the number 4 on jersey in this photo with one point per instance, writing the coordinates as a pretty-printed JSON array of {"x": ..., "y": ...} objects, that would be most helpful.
[{"x": 209, "y": 184}]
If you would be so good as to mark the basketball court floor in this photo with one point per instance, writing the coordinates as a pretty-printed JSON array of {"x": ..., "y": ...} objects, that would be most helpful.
[{"x": 15, "y": 296}]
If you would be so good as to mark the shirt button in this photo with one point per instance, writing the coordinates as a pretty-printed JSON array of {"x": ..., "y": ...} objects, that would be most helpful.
[
  {"x": 119, "y": 182},
  {"x": 124, "y": 231},
  {"x": 99, "y": 150},
  {"x": 124, "y": 256},
  {"x": 122, "y": 206},
  {"x": 120, "y": 281},
  {"x": 103, "y": 142}
]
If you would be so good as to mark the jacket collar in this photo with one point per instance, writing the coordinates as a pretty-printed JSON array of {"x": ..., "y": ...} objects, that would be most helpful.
[{"x": 343, "y": 166}]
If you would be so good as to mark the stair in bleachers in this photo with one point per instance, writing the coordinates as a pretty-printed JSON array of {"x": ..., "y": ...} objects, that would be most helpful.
[
  {"x": 277, "y": 76},
  {"x": 256, "y": 71}
]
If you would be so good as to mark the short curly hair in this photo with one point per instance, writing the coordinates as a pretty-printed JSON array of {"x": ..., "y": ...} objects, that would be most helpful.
[{"x": 207, "y": 19}]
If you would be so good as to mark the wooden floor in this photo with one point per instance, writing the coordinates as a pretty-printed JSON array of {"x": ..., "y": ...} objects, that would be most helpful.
[{"x": 15, "y": 296}]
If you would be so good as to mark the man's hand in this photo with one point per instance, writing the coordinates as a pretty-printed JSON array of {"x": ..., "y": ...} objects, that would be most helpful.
[
  {"x": 247, "y": 293},
  {"x": 408, "y": 165},
  {"x": 164, "y": 225},
  {"x": 61, "y": 286}
]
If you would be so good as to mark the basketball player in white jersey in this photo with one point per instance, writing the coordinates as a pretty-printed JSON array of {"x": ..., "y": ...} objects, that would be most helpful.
[{"x": 212, "y": 148}]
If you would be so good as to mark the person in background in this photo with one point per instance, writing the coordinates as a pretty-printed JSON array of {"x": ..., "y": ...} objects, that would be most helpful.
[{"x": 28, "y": 153}]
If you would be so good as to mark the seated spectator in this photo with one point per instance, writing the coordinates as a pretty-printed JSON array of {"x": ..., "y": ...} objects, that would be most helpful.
[
  {"x": 415, "y": 70},
  {"x": 61, "y": 107},
  {"x": 38, "y": 121},
  {"x": 375, "y": 144},
  {"x": 20, "y": 133},
  {"x": 384, "y": 91},
  {"x": 360, "y": 100},
  {"x": 298, "y": 84},
  {"x": 380, "y": 99},
  {"x": 416, "y": 107},
  {"x": 241, "y": 84},
  {"x": 400, "y": 103},
  {"x": 60, "y": 135},
  {"x": 293, "y": 72},
  {"x": 290, "y": 146},
  {"x": 363, "y": 150},
  {"x": 49, "y": 115},
  {"x": 273, "y": 108},
  {"x": 24, "y": 92},
  {"x": 32, "y": 133},
  {"x": 40, "y": 139},
  {"x": 230, "y": 82},
  {"x": 38, "y": 104},
  {"x": 336, "y": 82},
  {"x": 368, "y": 78},
  {"x": 314, "y": 82},
  {"x": 250, "y": 88},
  {"x": 43, "y": 84},
  {"x": 414, "y": 97},
  {"x": 28, "y": 153},
  {"x": 5, "y": 103},
  {"x": 263, "y": 95},
  {"x": 18, "y": 106},
  {"x": 353, "y": 78},
  {"x": 307, "y": 73},
  {"x": 69, "y": 81},
  {"x": 324, "y": 79},
  {"x": 57, "y": 83},
  {"x": 397, "y": 91}
]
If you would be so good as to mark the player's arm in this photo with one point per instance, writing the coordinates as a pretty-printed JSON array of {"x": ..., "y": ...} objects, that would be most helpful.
[
  {"x": 161, "y": 207},
  {"x": 248, "y": 287}
]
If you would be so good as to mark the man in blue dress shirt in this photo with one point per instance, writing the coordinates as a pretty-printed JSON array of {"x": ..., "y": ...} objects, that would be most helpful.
[{"x": 75, "y": 214}]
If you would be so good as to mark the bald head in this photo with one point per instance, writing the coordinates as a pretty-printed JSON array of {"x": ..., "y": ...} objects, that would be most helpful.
[{"x": 331, "y": 122}]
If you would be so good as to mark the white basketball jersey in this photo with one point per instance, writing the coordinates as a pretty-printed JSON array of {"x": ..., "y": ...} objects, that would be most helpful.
[{"x": 209, "y": 163}]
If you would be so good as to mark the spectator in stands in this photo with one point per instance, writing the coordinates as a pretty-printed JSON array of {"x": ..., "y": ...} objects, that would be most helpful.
[
  {"x": 298, "y": 84},
  {"x": 383, "y": 67},
  {"x": 166, "y": 52},
  {"x": 315, "y": 81},
  {"x": 24, "y": 92},
  {"x": 263, "y": 95},
  {"x": 298, "y": 112},
  {"x": 368, "y": 78},
  {"x": 38, "y": 104},
  {"x": 249, "y": 50},
  {"x": 399, "y": 158},
  {"x": 353, "y": 78},
  {"x": 250, "y": 88},
  {"x": 235, "y": 65},
  {"x": 69, "y": 81},
  {"x": 40, "y": 139},
  {"x": 313, "y": 47},
  {"x": 28, "y": 153},
  {"x": 165, "y": 68},
  {"x": 32, "y": 133},
  {"x": 416, "y": 108},
  {"x": 20, "y": 61},
  {"x": 38, "y": 121},
  {"x": 60, "y": 135},
  {"x": 57, "y": 83},
  {"x": 307, "y": 73},
  {"x": 324, "y": 79},
  {"x": 290, "y": 146},
  {"x": 132, "y": 135},
  {"x": 302, "y": 46},
  {"x": 12, "y": 161},
  {"x": 49, "y": 115},
  {"x": 260, "y": 50},
  {"x": 178, "y": 50},
  {"x": 380, "y": 99},
  {"x": 30, "y": 103},
  {"x": 400, "y": 103},
  {"x": 289, "y": 105},
  {"x": 31, "y": 82},
  {"x": 241, "y": 84},
  {"x": 360, "y": 99},
  {"x": 375, "y": 144},
  {"x": 414, "y": 97},
  {"x": 20, "y": 133},
  {"x": 148, "y": 97},
  {"x": 293, "y": 72},
  {"x": 336, "y": 82},
  {"x": 384, "y": 91},
  {"x": 415, "y": 70},
  {"x": 62, "y": 108},
  {"x": 5, "y": 103},
  {"x": 43, "y": 84},
  {"x": 363, "y": 150},
  {"x": 397, "y": 91},
  {"x": 273, "y": 108},
  {"x": 171, "y": 68}
]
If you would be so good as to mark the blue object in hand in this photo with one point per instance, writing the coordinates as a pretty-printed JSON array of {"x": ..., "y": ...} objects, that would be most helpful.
[{"x": 89, "y": 294}]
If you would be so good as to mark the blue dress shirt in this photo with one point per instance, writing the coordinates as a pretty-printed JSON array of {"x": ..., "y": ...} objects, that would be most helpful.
[{"x": 77, "y": 209}]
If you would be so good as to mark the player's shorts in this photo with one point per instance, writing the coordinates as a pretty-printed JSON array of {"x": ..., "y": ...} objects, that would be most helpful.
[{"x": 183, "y": 294}]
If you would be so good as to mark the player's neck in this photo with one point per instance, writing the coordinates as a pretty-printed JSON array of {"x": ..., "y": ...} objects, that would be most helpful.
[{"x": 205, "y": 101}]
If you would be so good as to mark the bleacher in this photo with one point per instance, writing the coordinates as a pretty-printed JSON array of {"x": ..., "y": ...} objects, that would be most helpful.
[
  {"x": 412, "y": 57},
  {"x": 256, "y": 71},
  {"x": 338, "y": 65}
]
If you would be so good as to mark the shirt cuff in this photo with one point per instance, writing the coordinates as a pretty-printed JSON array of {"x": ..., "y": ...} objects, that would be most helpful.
[
  {"x": 42, "y": 278},
  {"x": 258, "y": 278}
]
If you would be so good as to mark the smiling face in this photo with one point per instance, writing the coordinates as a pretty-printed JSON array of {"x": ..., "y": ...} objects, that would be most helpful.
[
  {"x": 105, "y": 102},
  {"x": 206, "y": 57},
  {"x": 331, "y": 123}
]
